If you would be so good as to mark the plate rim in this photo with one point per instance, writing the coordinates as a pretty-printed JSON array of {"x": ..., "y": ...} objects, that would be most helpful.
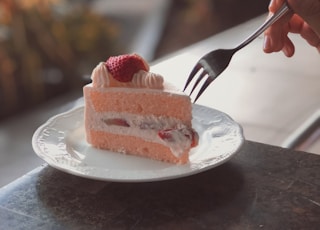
[{"x": 191, "y": 172}]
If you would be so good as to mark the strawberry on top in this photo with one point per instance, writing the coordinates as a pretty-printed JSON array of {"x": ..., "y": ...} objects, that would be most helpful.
[{"x": 123, "y": 67}]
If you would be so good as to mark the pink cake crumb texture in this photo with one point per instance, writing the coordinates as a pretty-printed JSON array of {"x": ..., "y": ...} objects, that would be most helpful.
[
  {"x": 142, "y": 102},
  {"x": 135, "y": 146}
]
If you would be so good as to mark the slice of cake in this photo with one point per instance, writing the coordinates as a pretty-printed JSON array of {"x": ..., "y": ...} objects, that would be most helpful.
[{"x": 133, "y": 111}]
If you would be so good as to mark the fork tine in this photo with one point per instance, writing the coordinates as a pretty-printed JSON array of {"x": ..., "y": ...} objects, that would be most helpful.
[
  {"x": 201, "y": 76},
  {"x": 192, "y": 74},
  {"x": 204, "y": 86}
]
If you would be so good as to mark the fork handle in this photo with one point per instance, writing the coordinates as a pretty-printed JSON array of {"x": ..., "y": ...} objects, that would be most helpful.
[{"x": 284, "y": 9}]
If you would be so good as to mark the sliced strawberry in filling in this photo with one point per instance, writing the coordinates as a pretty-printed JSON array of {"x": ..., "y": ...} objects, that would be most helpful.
[
  {"x": 192, "y": 135},
  {"x": 179, "y": 135},
  {"x": 195, "y": 139},
  {"x": 116, "y": 121},
  {"x": 166, "y": 135}
]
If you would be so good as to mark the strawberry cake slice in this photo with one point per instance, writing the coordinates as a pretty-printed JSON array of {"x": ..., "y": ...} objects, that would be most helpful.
[{"x": 133, "y": 111}]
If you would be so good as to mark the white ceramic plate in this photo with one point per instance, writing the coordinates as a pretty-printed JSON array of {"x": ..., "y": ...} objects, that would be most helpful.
[{"x": 61, "y": 143}]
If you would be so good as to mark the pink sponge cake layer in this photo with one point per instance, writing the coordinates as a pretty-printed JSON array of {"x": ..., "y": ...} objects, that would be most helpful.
[
  {"x": 136, "y": 146},
  {"x": 140, "y": 101},
  {"x": 140, "y": 117}
]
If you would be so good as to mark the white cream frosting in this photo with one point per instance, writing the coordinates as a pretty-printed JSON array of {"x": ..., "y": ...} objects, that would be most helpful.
[
  {"x": 144, "y": 79},
  {"x": 101, "y": 78}
]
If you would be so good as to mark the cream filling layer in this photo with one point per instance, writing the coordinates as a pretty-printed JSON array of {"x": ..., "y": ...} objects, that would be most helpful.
[{"x": 145, "y": 127}]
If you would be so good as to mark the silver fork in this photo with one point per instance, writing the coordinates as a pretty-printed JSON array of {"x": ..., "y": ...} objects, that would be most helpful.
[{"x": 215, "y": 62}]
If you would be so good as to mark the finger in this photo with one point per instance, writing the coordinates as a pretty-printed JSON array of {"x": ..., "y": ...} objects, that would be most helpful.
[
  {"x": 297, "y": 25},
  {"x": 288, "y": 47},
  {"x": 310, "y": 36},
  {"x": 274, "y": 37},
  {"x": 274, "y": 5},
  {"x": 309, "y": 11}
]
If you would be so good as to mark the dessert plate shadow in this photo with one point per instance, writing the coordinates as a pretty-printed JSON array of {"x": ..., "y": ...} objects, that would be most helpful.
[{"x": 61, "y": 143}]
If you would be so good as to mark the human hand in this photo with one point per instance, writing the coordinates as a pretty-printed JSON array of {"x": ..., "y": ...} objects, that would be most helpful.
[{"x": 305, "y": 21}]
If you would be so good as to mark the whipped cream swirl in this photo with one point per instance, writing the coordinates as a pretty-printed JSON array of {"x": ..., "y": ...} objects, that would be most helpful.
[
  {"x": 144, "y": 79},
  {"x": 101, "y": 78}
]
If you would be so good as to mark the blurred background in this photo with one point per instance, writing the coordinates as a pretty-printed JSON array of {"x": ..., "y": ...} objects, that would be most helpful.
[{"x": 48, "y": 49}]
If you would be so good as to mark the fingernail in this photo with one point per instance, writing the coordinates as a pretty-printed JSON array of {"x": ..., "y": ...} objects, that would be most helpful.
[
  {"x": 287, "y": 51},
  {"x": 267, "y": 43}
]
